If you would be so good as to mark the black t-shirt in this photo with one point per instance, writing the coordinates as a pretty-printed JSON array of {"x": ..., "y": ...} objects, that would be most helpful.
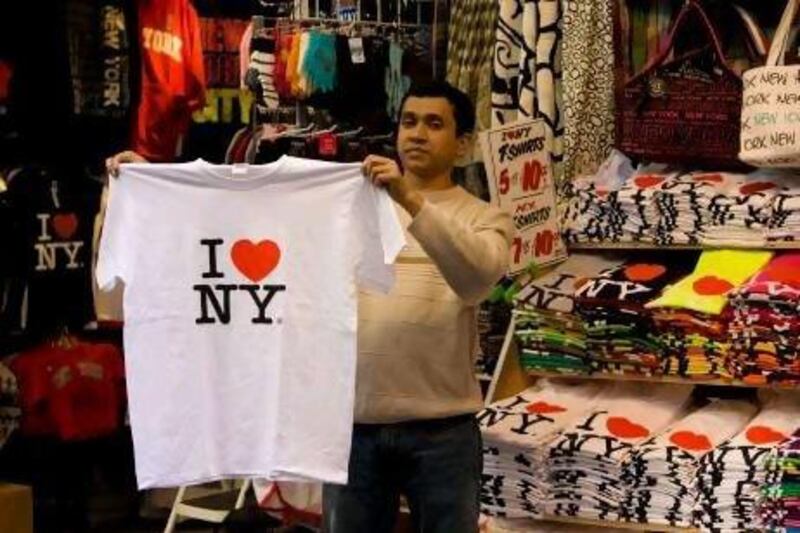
[
  {"x": 101, "y": 36},
  {"x": 47, "y": 252}
]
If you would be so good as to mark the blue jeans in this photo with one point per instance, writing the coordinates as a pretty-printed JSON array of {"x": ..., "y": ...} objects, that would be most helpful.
[{"x": 436, "y": 464}]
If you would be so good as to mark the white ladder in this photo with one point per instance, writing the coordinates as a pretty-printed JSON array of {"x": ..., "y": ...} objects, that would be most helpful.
[{"x": 182, "y": 509}]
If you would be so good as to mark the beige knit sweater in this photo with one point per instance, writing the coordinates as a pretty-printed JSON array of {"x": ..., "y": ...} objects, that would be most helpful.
[{"x": 417, "y": 345}]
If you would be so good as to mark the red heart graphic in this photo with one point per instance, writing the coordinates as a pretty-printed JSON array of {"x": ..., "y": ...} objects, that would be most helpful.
[
  {"x": 784, "y": 273},
  {"x": 711, "y": 286},
  {"x": 763, "y": 435},
  {"x": 690, "y": 441},
  {"x": 255, "y": 261},
  {"x": 65, "y": 225},
  {"x": 756, "y": 186},
  {"x": 625, "y": 429},
  {"x": 543, "y": 408},
  {"x": 709, "y": 178},
  {"x": 644, "y": 272},
  {"x": 645, "y": 182}
]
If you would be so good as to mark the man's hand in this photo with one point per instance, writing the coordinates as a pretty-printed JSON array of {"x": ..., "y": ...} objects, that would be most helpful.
[
  {"x": 384, "y": 172},
  {"x": 128, "y": 156}
]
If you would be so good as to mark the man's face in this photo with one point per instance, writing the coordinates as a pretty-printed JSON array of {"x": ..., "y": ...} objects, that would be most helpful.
[{"x": 426, "y": 139}]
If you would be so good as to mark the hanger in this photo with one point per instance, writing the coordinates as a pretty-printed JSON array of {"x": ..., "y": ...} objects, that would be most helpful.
[{"x": 351, "y": 133}]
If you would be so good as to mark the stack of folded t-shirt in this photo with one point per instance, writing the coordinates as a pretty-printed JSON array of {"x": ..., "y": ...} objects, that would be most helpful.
[
  {"x": 695, "y": 343},
  {"x": 620, "y": 335},
  {"x": 784, "y": 222},
  {"x": 680, "y": 216},
  {"x": 660, "y": 473},
  {"x": 586, "y": 460},
  {"x": 732, "y": 475},
  {"x": 593, "y": 214},
  {"x": 550, "y": 336},
  {"x": 655, "y": 204},
  {"x": 516, "y": 432},
  {"x": 637, "y": 203},
  {"x": 736, "y": 208},
  {"x": 766, "y": 324},
  {"x": 779, "y": 506}
]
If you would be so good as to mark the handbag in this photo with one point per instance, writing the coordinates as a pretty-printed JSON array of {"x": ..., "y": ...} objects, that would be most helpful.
[
  {"x": 677, "y": 112},
  {"x": 770, "y": 123}
]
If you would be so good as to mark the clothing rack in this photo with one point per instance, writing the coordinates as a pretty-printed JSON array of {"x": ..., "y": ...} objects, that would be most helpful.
[
  {"x": 379, "y": 6},
  {"x": 259, "y": 22}
]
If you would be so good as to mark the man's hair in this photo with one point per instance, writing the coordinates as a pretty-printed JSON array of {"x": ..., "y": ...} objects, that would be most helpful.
[{"x": 463, "y": 110}]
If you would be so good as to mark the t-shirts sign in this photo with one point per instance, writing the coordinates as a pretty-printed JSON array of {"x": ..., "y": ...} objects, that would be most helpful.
[
  {"x": 521, "y": 182},
  {"x": 240, "y": 313}
]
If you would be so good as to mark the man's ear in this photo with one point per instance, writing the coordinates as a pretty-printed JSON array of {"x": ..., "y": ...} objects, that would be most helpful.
[{"x": 465, "y": 144}]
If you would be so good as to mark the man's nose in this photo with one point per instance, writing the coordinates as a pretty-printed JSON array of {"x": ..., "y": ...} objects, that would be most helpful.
[{"x": 420, "y": 132}]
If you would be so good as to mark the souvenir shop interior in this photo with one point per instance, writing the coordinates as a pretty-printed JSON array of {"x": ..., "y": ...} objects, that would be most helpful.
[{"x": 639, "y": 365}]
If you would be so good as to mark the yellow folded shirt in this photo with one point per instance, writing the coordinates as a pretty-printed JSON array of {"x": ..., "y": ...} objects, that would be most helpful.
[{"x": 717, "y": 273}]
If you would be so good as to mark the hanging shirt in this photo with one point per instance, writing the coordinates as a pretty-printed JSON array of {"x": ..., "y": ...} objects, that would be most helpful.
[
  {"x": 173, "y": 79},
  {"x": 240, "y": 313},
  {"x": 45, "y": 252},
  {"x": 98, "y": 39}
]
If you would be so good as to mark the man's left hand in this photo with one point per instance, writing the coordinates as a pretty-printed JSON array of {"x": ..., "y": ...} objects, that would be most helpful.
[{"x": 385, "y": 172}]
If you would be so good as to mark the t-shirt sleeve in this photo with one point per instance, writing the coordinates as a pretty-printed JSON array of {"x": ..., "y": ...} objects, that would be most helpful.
[
  {"x": 379, "y": 240},
  {"x": 111, "y": 260}
]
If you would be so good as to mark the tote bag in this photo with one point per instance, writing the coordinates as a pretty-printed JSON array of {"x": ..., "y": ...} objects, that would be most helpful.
[
  {"x": 770, "y": 125},
  {"x": 674, "y": 112}
]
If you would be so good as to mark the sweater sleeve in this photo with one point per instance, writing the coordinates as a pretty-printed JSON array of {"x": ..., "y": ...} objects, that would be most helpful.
[{"x": 472, "y": 257}]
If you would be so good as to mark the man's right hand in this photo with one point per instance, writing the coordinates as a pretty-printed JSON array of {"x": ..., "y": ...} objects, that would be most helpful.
[{"x": 128, "y": 156}]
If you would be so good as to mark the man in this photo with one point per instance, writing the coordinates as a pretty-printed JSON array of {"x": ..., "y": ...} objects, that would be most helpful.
[{"x": 416, "y": 393}]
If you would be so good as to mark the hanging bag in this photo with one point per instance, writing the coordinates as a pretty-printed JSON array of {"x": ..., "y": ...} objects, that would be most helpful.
[
  {"x": 770, "y": 126},
  {"x": 675, "y": 112}
]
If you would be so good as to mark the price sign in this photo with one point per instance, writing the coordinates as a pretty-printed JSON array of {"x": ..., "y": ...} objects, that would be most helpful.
[{"x": 521, "y": 182}]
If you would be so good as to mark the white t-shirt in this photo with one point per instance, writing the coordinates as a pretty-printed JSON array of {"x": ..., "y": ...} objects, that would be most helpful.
[{"x": 240, "y": 313}]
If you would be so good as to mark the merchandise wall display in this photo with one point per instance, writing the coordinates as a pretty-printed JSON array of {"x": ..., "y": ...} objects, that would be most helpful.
[
  {"x": 643, "y": 453},
  {"x": 765, "y": 323},
  {"x": 550, "y": 333},
  {"x": 662, "y": 473},
  {"x": 733, "y": 316},
  {"x": 661, "y": 206},
  {"x": 779, "y": 501},
  {"x": 657, "y": 381},
  {"x": 515, "y": 434},
  {"x": 730, "y": 476},
  {"x": 252, "y": 272}
]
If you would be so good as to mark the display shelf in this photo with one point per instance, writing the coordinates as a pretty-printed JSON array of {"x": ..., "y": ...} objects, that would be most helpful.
[
  {"x": 618, "y": 524},
  {"x": 659, "y": 379},
  {"x": 653, "y": 246}
]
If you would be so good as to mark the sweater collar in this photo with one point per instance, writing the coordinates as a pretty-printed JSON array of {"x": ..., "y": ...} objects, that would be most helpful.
[{"x": 442, "y": 195}]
